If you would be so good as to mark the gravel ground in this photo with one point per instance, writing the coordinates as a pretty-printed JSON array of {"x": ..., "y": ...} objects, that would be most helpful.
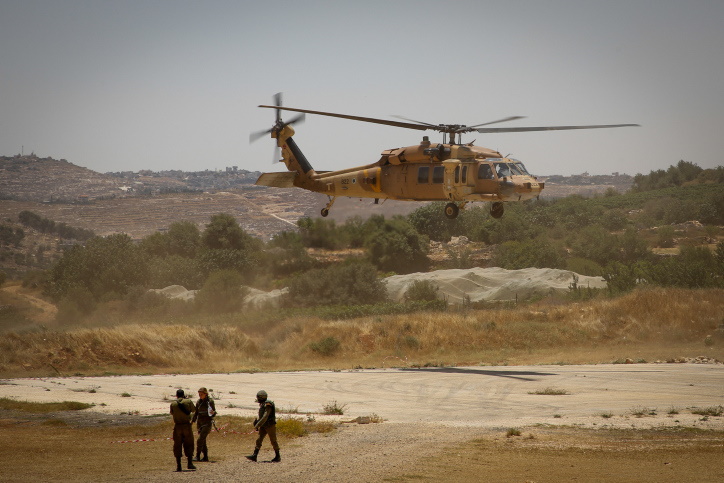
[{"x": 355, "y": 452}]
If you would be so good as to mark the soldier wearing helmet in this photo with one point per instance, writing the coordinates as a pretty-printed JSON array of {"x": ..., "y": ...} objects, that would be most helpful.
[
  {"x": 266, "y": 424},
  {"x": 181, "y": 410},
  {"x": 204, "y": 417}
]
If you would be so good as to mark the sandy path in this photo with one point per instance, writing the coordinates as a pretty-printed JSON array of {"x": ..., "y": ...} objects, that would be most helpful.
[{"x": 485, "y": 397}]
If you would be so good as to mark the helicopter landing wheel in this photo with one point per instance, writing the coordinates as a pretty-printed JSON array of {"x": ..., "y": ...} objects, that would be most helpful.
[
  {"x": 325, "y": 212},
  {"x": 451, "y": 210},
  {"x": 497, "y": 209}
]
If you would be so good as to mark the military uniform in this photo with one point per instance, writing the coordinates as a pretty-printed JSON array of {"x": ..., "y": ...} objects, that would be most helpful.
[
  {"x": 204, "y": 418},
  {"x": 181, "y": 410},
  {"x": 266, "y": 424}
]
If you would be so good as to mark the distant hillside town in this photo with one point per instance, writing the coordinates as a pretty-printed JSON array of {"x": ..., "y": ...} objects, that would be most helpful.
[{"x": 48, "y": 180}]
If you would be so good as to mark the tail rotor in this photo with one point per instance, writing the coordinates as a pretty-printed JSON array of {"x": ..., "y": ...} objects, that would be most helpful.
[{"x": 279, "y": 124}]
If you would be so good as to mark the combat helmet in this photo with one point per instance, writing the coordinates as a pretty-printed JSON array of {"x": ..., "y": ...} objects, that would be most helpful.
[{"x": 261, "y": 396}]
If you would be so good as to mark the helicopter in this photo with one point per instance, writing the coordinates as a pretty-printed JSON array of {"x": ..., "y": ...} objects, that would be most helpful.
[{"x": 449, "y": 171}]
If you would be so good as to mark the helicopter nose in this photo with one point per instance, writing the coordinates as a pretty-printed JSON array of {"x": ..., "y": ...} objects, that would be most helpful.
[{"x": 507, "y": 187}]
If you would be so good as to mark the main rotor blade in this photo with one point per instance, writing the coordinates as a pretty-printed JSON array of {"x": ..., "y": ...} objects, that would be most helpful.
[
  {"x": 255, "y": 136},
  {"x": 418, "y": 122},
  {"x": 511, "y": 118},
  {"x": 419, "y": 127},
  {"x": 296, "y": 119},
  {"x": 492, "y": 130}
]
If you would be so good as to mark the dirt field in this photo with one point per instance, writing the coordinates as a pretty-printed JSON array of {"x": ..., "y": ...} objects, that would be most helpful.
[
  {"x": 630, "y": 422},
  {"x": 51, "y": 451}
]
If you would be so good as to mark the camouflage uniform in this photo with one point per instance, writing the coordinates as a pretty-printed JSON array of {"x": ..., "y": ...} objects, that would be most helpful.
[
  {"x": 204, "y": 418},
  {"x": 266, "y": 424},
  {"x": 181, "y": 410}
]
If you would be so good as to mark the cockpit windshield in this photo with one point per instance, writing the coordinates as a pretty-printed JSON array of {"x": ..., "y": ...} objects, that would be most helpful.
[
  {"x": 521, "y": 168},
  {"x": 510, "y": 169},
  {"x": 502, "y": 170}
]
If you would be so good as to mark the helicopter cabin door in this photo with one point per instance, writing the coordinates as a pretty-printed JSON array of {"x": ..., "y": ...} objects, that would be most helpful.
[
  {"x": 484, "y": 179},
  {"x": 457, "y": 173}
]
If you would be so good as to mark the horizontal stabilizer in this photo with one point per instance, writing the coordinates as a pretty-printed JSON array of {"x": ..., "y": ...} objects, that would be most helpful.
[{"x": 284, "y": 179}]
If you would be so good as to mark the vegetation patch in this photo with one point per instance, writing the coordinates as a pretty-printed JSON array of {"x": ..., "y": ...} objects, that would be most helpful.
[
  {"x": 35, "y": 407},
  {"x": 333, "y": 408},
  {"x": 710, "y": 411},
  {"x": 327, "y": 346},
  {"x": 550, "y": 391}
]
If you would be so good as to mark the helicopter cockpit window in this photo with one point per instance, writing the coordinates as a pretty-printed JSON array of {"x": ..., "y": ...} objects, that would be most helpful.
[
  {"x": 502, "y": 170},
  {"x": 514, "y": 169},
  {"x": 423, "y": 174},
  {"x": 485, "y": 172},
  {"x": 438, "y": 174},
  {"x": 521, "y": 168}
]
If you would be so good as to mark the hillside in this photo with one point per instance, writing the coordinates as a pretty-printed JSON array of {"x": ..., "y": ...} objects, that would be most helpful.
[{"x": 144, "y": 202}]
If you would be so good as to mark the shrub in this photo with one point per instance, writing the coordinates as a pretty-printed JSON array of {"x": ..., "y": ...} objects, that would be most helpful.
[
  {"x": 550, "y": 391},
  {"x": 396, "y": 246},
  {"x": 327, "y": 346},
  {"x": 710, "y": 411},
  {"x": 291, "y": 427},
  {"x": 334, "y": 408},
  {"x": 349, "y": 284},
  {"x": 222, "y": 292},
  {"x": 421, "y": 290}
]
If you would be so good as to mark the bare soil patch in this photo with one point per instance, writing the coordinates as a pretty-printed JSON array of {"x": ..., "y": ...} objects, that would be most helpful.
[{"x": 44, "y": 449}]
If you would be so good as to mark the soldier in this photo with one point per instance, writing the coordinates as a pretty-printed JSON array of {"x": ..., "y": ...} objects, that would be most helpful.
[
  {"x": 205, "y": 412},
  {"x": 181, "y": 410},
  {"x": 266, "y": 424}
]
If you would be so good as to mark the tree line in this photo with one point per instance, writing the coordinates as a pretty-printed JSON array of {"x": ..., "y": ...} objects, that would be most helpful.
[{"x": 610, "y": 236}]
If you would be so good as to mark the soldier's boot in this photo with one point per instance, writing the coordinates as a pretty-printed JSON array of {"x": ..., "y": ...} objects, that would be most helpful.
[
  {"x": 277, "y": 457},
  {"x": 191, "y": 464},
  {"x": 178, "y": 464},
  {"x": 206, "y": 456},
  {"x": 198, "y": 456},
  {"x": 253, "y": 456}
]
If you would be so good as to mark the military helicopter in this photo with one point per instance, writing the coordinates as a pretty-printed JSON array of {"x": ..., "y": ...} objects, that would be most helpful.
[{"x": 449, "y": 171}]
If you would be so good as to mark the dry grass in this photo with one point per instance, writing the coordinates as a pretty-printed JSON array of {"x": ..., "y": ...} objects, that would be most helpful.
[
  {"x": 564, "y": 454},
  {"x": 656, "y": 324},
  {"x": 36, "y": 407}
]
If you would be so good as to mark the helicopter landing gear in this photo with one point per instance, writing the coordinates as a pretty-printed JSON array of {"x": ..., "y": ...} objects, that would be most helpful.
[
  {"x": 451, "y": 210},
  {"x": 325, "y": 210},
  {"x": 497, "y": 209}
]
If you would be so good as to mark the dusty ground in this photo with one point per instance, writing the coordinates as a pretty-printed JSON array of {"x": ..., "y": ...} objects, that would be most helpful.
[{"x": 615, "y": 423}]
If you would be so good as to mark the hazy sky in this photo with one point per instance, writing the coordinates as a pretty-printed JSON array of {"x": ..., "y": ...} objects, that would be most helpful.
[{"x": 128, "y": 85}]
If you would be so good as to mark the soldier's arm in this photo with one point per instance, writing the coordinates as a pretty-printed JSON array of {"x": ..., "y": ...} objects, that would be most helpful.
[
  {"x": 212, "y": 407},
  {"x": 196, "y": 411},
  {"x": 267, "y": 412}
]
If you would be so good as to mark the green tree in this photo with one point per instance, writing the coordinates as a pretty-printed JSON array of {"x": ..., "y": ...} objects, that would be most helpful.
[
  {"x": 320, "y": 233},
  {"x": 396, "y": 246},
  {"x": 184, "y": 239},
  {"x": 222, "y": 292},
  {"x": 430, "y": 220},
  {"x": 537, "y": 253},
  {"x": 595, "y": 243},
  {"x": 224, "y": 233},
  {"x": 107, "y": 265},
  {"x": 422, "y": 290},
  {"x": 175, "y": 270},
  {"x": 353, "y": 283}
]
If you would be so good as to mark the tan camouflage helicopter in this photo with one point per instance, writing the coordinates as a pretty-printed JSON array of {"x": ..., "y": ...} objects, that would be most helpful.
[{"x": 454, "y": 172}]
